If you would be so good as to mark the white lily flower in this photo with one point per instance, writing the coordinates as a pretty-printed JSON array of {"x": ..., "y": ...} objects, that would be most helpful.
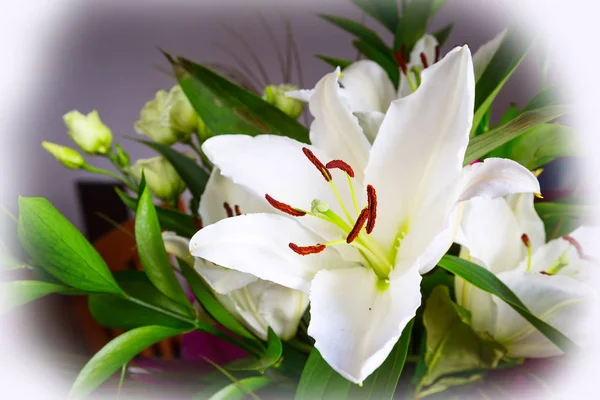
[
  {"x": 368, "y": 90},
  {"x": 257, "y": 303},
  {"x": 507, "y": 237},
  {"x": 355, "y": 232}
]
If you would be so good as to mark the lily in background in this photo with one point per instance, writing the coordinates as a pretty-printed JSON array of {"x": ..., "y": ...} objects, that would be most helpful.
[
  {"x": 507, "y": 237},
  {"x": 256, "y": 303},
  {"x": 368, "y": 90},
  {"x": 356, "y": 224}
]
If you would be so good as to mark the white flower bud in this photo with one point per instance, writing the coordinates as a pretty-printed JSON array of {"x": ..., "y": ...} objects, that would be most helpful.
[
  {"x": 65, "y": 155},
  {"x": 168, "y": 118},
  {"x": 88, "y": 131},
  {"x": 162, "y": 179},
  {"x": 276, "y": 96}
]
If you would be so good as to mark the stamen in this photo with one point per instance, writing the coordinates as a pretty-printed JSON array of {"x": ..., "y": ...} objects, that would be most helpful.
[
  {"x": 362, "y": 218},
  {"x": 339, "y": 164},
  {"x": 525, "y": 240},
  {"x": 424, "y": 60},
  {"x": 237, "y": 210},
  {"x": 198, "y": 222},
  {"x": 527, "y": 243},
  {"x": 401, "y": 59},
  {"x": 284, "y": 207},
  {"x": 372, "y": 206},
  {"x": 317, "y": 163},
  {"x": 437, "y": 53},
  {"x": 228, "y": 210},
  {"x": 306, "y": 250},
  {"x": 577, "y": 246}
]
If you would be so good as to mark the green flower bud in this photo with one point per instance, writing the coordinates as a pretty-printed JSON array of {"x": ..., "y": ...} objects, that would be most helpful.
[
  {"x": 122, "y": 157},
  {"x": 168, "y": 118},
  {"x": 202, "y": 131},
  {"x": 275, "y": 95},
  {"x": 162, "y": 179},
  {"x": 65, "y": 155},
  {"x": 88, "y": 131}
]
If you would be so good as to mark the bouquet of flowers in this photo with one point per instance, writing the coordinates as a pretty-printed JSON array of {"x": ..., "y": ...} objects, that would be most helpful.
[{"x": 399, "y": 245}]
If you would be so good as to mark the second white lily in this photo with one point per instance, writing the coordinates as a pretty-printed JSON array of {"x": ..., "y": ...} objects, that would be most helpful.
[{"x": 357, "y": 224}]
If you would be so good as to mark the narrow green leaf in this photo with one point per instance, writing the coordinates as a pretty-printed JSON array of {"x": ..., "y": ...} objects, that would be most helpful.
[
  {"x": 512, "y": 51},
  {"x": 383, "y": 382},
  {"x": 549, "y": 96},
  {"x": 153, "y": 255},
  {"x": 384, "y": 11},
  {"x": 58, "y": 247},
  {"x": 443, "y": 34},
  {"x": 357, "y": 29},
  {"x": 118, "y": 312},
  {"x": 16, "y": 293},
  {"x": 487, "y": 281},
  {"x": 169, "y": 219},
  {"x": 413, "y": 24},
  {"x": 270, "y": 357},
  {"x": 549, "y": 210},
  {"x": 334, "y": 62},
  {"x": 511, "y": 113},
  {"x": 452, "y": 346},
  {"x": 436, "y": 6},
  {"x": 384, "y": 59},
  {"x": 226, "y": 108},
  {"x": 319, "y": 381},
  {"x": 481, "y": 145},
  {"x": 240, "y": 389},
  {"x": 212, "y": 306},
  {"x": 115, "y": 354},
  {"x": 192, "y": 174}
]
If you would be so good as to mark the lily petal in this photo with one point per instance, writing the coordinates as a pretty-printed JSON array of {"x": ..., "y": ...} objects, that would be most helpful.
[
  {"x": 367, "y": 87},
  {"x": 222, "y": 280},
  {"x": 221, "y": 192},
  {"x": 282, "y": 309},
  {"x": 258, "y": 244},
  {"x": 420, "y": 146},
  {"x": 528, "y": 219},
  {"x": 335, "y": 130},
  {"x": 302, "y": 94},
  {"x": 483, "y": 55},
  {"x": 426, "y": 45},
  {"x": 178, "y": 246},
  {"x": 370, "y": 123},
  {"x": 496, "y": 177},
  {"x": 355, "y": 323},
  {"x": 558, "y": 300}
]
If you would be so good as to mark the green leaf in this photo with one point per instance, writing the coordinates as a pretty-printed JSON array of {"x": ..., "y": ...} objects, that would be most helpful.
[
  {"x": 226, "y": 108},
  {"x": 190, "y": 172},
  {"x": 442, "y": 35},
  {"x": 335, "y": 62},
  {"x": 384, "y": 11},
  {"x": 436, "y": 6},
  {"x": 549, "y": 96},
  {"x": 153, "y": 255},
  {"x": 540, "y": 145},
  {"x": 481, "y": 145},
  {"x": 7, "y": 261},
  {"x": 452, "y": 346},
  {"x": 117, "y": 312},
  {"x": 357, "y": 29},
  {"x": 117, "y": 353},
  {"x": 212, "y": 306},
  {"x": 58, "y": 247},
  {"x": 550, "y": 209},
  {"x": 384, "y": 59},
  {"x": 270, "y": 357},
  {"x": 170, "y": 220},
  {"x": 512, "y": 51},
  {"x": 413, "y": 24},
  {"x": 487, "y": 281},
  {"x": 511, "y": 113},
  {"x": 240, "y": 389},
  {"x": 320, "y": 381},
  {"x": 16, "y": 293},
  {"x": 382, "y": 383}
]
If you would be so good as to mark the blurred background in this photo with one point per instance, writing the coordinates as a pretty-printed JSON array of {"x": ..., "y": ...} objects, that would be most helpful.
[{"x": 105, "y": 56}]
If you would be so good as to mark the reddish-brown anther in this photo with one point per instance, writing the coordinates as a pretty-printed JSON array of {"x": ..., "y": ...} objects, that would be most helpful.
[
  {"x": 372, "y": 206},
  {"x": 339, "y": 164},
  {"x": 360, "y": 221},
  {"x": 198, "y": 222},
  {"x": 577, "y": 246},
  {"x": 437, "y": 53},
  {"x": 525, "y": 240},
  {"x": 424, "y": 60},
  {"x": 228, "y": 209},
  {"x": 317, "y": 163},
  {"x": 401, "y": 61},
  {"x": 284, "y": 207},
  {"x": 306, "y": 250},
  {"x": 237, "y": 210}
]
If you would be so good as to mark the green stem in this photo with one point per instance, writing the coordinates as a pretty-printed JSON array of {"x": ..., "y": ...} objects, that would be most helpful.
[
  {"x": 300, "y": 346},
  {"x": 105, "y": 172},
  {"x": 205, "y": 161},
  {"x": 121, "y": 379}
]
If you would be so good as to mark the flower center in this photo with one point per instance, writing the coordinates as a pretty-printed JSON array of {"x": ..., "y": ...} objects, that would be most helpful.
[{"x": 356, "y": 226}]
